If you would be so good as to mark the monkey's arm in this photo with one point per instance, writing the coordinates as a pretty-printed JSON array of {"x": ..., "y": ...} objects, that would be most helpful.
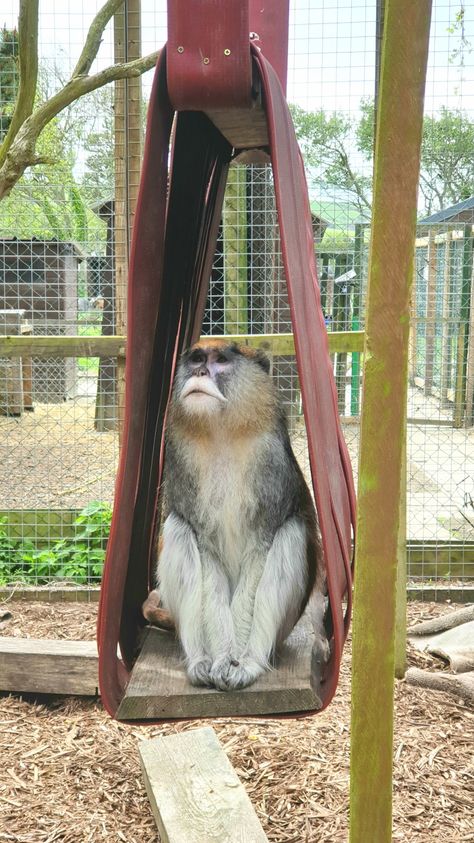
[{"x": 277, "y": 603}]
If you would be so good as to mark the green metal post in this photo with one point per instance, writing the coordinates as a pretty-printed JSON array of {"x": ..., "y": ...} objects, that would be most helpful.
[
  {"x": 234, "y": 223},
  {"x": 358, "y": 264},
  {"x": 463, "y": 336},
  {"x": 397, "y": 160}
]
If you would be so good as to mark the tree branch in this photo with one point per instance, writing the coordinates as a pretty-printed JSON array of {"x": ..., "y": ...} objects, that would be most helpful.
[
  {"x": 28, "y": 50},
  {"x": 94, "y": 37},
  {"x": 80, "y": 85},
  {"x": 22, "y": 151}
]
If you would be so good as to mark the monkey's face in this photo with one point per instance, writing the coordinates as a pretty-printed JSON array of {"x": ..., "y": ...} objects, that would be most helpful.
[{"x": 217, "y": 381}]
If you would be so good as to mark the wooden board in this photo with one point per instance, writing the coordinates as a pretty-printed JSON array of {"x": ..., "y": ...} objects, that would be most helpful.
[
  {"x": 159, "y": 688},
  {"x": 115, "y": 346},
  {"x": 244, "y": 128},
  {"x": 48, "y": 667},
  {"x": 194, "y": 791}
]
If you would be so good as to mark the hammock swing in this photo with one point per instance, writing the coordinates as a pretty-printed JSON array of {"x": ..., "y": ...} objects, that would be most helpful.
[{"x": 207, "y": 109}]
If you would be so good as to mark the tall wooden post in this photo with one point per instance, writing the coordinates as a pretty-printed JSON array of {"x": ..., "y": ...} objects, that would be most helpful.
[
  {"x": 463, "y": 335},
  {"x": 446, "y": 323},
  {"x": 397, "y": 160},
  {"x": 234, "y": 224},
  {"x": 356, "y": 311},
  {"x": 430, "y": 324},
  {"x": 128, "y": 146}
]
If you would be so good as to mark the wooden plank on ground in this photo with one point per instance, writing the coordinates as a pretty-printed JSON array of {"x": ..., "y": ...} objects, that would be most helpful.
[
  {"x": 45, "y": 666},
  {"x": 194, "y": 791},
  {"x": 159, "y": 688},
  {"x": 50, "y": 593}
]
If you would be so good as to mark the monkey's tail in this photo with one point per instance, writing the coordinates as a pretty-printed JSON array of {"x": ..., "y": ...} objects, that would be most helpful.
[{"x": 154, "y": 612}]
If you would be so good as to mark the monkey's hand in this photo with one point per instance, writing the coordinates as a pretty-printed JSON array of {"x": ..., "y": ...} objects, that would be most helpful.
[
  {"x": 199, "y": 673},
  {"x": 229, "y": 674},
  {"x": 154, "y": 612},
  {"x": 220, "y": 671}
]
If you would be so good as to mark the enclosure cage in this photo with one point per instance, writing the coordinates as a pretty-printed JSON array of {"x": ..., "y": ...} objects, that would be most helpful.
[{"x": 66, "y": 227}]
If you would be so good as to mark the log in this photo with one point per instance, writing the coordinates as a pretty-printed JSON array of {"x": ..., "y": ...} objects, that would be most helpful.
[
  {"x": 444, "y": 622},
  {"x": 194, "y": 791},
  {"x": 462, "y": 686}
]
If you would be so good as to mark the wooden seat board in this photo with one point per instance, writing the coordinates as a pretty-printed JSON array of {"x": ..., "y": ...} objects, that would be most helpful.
[{"x": 158, "y": 687}]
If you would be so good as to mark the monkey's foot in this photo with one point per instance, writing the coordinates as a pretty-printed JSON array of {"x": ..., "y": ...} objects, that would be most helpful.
[
  {"x": 199, "y": 673},
  {"x": 230, "y": 674},
  {"x": 220, "y": 671}
]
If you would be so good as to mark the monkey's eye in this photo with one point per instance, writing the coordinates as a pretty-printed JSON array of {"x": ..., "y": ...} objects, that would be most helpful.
[
  {"x": 197, "y": 357},
  {"x": 221, "y": 358}
]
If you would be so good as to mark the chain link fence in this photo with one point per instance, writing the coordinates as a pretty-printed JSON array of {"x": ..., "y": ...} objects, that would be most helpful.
[{"x": 64, "y": 239}]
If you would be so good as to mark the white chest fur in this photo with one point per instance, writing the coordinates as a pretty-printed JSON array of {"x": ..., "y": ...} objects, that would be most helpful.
[{"x": 226, "y": 497}]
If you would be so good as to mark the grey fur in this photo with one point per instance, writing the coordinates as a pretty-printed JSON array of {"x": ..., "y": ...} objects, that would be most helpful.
[{"x": 232, "y": 480}]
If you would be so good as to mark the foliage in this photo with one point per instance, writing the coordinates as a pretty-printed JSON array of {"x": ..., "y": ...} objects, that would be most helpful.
[
  {"x": 447, "y": 171},
  {"x": 99, "y": 178},
  {"x": 9, "y": 77},
  {"x": 326, "y": 142},
  {"x": 458, "y": 27},
  {"x": 31, "y": 114},
  {"x": 79, "y": 559},
  {"x": 330, "y": 143},
  {"x": 10, "y": 559},
  {"x": 47, "y": 203}
]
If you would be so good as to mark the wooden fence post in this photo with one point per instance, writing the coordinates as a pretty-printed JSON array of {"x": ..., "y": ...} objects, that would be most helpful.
[
  {"x": 397, "y": 160},
  {"x": 234, "y": 225},
  {"x": 127, "y": 46},
  {"x": 430, "y": 324},
  {"x": 11, "y": 372}
]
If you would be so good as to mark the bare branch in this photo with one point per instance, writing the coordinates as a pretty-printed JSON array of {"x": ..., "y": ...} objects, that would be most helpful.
[
  {"x": 80, "y": 85},
  {"x": 94, "y": 37},
  {"x": 21, "y": 154},
  {"x": 28, "y": 50}
]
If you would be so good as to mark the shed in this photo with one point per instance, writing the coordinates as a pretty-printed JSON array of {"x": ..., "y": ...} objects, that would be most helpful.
[{"x": 40, "y": 277}]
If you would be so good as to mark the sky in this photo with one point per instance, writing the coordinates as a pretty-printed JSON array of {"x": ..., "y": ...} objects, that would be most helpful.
[{"x": 331, "y": 48}]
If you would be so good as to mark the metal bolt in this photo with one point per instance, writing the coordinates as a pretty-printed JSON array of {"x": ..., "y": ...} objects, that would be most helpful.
[
  {"x": 206, "y": 61},
  {"x": 227, "y": 52},
  {"x": 180, "y": 49}
]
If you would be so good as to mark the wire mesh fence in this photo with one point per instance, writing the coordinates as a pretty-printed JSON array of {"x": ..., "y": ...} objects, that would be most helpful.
[{"x": 64, "y": 242}]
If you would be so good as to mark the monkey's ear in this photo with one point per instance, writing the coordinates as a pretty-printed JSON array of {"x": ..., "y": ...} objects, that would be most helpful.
[{"x": 262, "y": 360}]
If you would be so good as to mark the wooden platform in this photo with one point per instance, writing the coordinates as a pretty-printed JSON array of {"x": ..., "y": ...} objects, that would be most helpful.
[
  {"x": 159, "y": 688},
  {"x": 46, "y": 666},
  {"x": 194, "y": 791}
]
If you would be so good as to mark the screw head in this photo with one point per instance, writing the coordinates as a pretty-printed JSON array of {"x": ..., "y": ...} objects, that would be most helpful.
[
  {"x": 227, "y": 52},
  {"x": 180, "y": 49},
  {"x": 205, "y": 61}
]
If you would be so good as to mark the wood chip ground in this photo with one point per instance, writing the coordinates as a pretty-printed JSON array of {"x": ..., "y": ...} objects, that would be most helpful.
[{"x": 69, "y": 773}]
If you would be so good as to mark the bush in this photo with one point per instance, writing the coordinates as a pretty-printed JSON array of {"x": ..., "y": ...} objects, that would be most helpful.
[{"x": 79, "y": 559}]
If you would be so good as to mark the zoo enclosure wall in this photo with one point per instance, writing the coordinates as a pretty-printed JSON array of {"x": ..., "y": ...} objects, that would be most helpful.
[{"x": 64, "y": 240}]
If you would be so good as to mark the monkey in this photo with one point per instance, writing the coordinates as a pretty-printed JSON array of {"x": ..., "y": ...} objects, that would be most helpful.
[{"x": 240, "y": 548}]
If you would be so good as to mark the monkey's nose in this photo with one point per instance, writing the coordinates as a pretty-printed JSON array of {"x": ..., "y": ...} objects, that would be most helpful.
[{"x": 202, "y": 372}]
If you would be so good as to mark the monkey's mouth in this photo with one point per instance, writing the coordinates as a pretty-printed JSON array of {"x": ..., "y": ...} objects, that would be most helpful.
[{"x": 202, "y": 387}]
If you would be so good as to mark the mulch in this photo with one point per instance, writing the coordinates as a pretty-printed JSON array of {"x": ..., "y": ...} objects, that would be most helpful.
[{"x": 69, "y": 773}]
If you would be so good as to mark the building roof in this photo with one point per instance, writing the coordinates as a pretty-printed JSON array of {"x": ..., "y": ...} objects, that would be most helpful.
[{"x": 461, "y": 212}]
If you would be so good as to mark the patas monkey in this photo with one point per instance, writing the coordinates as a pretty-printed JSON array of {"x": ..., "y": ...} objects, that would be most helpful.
[{"x": 240, "y": 553}]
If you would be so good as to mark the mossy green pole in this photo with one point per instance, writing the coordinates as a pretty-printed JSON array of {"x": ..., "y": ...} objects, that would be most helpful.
[
  {"x": 234, "y": 223},
  {"x": 397, "y": 160},
  {"x": 358, "y": 263}
]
